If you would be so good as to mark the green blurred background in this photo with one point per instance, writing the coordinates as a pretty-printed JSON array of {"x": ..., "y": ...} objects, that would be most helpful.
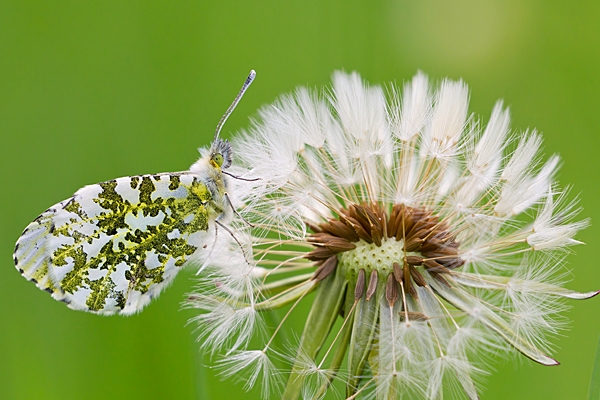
[{"x": 92, "y": 90}]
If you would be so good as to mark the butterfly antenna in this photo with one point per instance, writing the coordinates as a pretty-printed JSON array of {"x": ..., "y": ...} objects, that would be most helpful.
[{"x": 237, "y": 99}]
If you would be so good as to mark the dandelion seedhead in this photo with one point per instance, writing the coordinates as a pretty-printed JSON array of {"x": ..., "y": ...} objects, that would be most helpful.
[{"x": 426, "y": 240}]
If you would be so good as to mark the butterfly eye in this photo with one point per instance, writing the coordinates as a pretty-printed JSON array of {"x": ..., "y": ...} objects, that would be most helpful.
[{"x": 217, "y": 158}]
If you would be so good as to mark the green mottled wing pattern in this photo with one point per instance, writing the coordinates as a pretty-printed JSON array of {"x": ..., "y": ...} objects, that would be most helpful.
[{"x": 115, "y": 245}]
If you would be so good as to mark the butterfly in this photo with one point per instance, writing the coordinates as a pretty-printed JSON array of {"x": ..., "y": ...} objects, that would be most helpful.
[{"x": 113, "y": 246}]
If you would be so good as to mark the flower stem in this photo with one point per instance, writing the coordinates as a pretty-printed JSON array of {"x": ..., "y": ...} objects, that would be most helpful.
[{"x": 324, "y": 311}]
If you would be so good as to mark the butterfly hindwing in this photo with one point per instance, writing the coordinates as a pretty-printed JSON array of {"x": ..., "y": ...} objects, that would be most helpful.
[
  {"x": 115, "y": 245},
  {"x": 31, "y": 249}
]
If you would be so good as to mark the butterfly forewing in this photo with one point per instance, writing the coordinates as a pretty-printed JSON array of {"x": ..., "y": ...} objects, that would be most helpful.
[{"x": 113, "y": 246}]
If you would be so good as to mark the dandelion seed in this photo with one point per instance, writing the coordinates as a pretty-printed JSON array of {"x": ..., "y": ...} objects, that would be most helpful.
[
  {"x": 258, "y": 366},
  {"x": 427, "y": 242}
]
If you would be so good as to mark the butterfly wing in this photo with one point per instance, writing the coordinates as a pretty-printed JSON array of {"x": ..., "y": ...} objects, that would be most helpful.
[{"x": 115, "y": 245}]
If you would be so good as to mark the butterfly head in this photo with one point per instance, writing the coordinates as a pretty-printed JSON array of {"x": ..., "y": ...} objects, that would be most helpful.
[{"x": 221, "y": 154}]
